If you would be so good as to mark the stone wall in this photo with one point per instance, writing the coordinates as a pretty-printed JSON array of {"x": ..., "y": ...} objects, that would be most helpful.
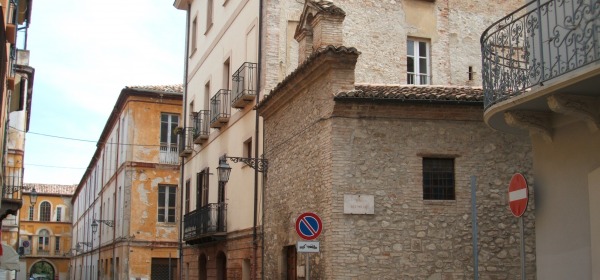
[{"x": 320, "y": 149}]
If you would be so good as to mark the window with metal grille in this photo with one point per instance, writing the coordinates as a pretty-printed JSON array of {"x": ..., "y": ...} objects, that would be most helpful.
[
  {"x": 166, "y": 203},
  {"x": 45, "y": 211},
  {"x": 438, "y": 178}
]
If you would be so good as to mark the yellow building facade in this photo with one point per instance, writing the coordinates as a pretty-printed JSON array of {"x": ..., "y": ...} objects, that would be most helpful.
[
  {"x": 125, "y": 207},
  {"x": 45, "y": 231}
]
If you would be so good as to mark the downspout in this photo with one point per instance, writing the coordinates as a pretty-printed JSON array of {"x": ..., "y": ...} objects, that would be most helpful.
[
  {"x": 256, "y": 154},
  {"x": 115, "y": 196},
  {"x": 182, "y": 176}
]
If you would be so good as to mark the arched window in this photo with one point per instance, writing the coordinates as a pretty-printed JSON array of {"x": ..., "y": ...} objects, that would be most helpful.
[
  {"x": 45, "y": 211},
  {"x": 44, "y": 242}
]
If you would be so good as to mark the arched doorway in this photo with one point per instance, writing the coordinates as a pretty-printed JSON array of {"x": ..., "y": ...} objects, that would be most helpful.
[
  {"x": 202, "y": 273},
  {"x": 42, "y": 270},
  {"x": 221, "y": 266}
]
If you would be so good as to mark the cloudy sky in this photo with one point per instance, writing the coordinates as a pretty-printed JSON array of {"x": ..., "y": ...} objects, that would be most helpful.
[{"x": 84, "y": 52}]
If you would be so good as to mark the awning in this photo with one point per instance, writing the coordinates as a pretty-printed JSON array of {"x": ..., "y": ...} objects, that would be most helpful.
[{"x": 9, "y": 259}]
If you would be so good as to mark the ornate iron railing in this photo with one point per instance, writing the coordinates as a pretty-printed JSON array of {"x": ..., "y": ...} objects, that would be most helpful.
[
  {"x": 186, "y": 141},
  {"x": 244, "y": 85},
  {"x": 220, "y": 109},
  {"x": 536, "y": 43},
  {"x": 201, "y": 125},
  {"x": 13, "y": 183},
  {"x": 207, "y": 220}
]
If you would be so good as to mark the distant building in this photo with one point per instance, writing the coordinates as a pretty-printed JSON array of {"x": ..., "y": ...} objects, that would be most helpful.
[
  {"x": 541, "y": 69},
  {"x": 125, "y": 207},
  {"x": 45, "y": 231}
]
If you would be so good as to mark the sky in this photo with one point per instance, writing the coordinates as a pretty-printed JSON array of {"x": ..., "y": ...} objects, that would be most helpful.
[{"x": 84, "y": 53}]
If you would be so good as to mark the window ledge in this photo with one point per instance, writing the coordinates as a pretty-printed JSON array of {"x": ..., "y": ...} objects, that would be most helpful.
[
  {"x": 439, "y": 202},
  {"x": 208, "y": 28}
]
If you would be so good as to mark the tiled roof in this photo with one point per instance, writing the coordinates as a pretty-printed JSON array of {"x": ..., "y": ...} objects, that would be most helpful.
[
  {"x": 459, "y": 94},
  {"x": 302, "y": 67},
  {"x": 329, "y": 7},
  {"x": 50, "y": 189},
  {"x": 166, "y": 88}
]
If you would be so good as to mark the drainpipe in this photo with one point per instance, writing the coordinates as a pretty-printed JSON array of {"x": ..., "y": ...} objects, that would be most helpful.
[
  {"x": 182, "y": 176},
  {"x": 256, "y": 154}
]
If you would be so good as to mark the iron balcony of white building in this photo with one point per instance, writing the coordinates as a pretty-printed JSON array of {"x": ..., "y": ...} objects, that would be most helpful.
[
  {"x": 207, "y": 224},
  {"x": 186, "y": 141},
  {"x": 12, "y": 188},
  {"x": 220, "y": 109},
  {"x": 201, "y": 126},
  {"x": 244, "y": 85},
  {"x": 543, "y": 50}
]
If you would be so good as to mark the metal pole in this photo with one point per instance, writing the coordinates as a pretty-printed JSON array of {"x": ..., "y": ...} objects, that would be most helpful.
[
  {"x": 474, "y": 223},
  {"x": 522, "y": 248},
  {"x": 307, "y": 266}
]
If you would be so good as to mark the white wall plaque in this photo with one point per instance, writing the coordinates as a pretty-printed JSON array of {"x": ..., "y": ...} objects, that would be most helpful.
[{"x": 359, "y": 204}]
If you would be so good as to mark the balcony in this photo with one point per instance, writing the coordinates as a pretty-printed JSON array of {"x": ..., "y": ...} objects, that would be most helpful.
[
  {"x": 244, "y": 85},
  {"x": 11, "y": 191},
  {"x": 201, "y": 126},
  {"x": 186, "y": 141},
  {"x": 541, "y": 59},
  {"x": 220, "y": 111},
  {"x": 169, "y": 153},
  {"x": 206, "y": 224}
]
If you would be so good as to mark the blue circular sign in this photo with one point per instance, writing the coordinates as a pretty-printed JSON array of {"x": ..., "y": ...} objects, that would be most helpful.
[{"x": 309, "y": 226}]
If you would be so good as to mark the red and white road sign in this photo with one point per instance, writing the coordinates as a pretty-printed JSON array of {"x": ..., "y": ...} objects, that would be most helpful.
[{"x": 518, "y": 194}]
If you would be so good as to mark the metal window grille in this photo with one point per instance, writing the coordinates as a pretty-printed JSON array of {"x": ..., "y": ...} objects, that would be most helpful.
[{"x": 438, "y": 178}]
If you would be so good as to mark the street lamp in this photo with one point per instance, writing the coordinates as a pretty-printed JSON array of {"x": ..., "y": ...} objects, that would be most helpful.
[
  {"x": 33, "y": 197},
  {"x": 109, "y": 223},
  {"x": 224, "y": 170}
]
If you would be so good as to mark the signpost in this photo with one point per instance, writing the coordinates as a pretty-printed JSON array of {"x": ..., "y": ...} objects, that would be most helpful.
[
  {"x": 518, "y": 197},
  {"x": 308, "y": 227}
]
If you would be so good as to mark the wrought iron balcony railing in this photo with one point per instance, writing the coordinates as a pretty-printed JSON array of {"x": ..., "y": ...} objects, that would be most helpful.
[
  {"x": 208, "y": 220},
  {"x": 220, "y": 109},
  {"x": 186, "y": 141},
  {"x": 201, "y": 126},
  {"x": 244, "y": 85},
  {"x": 538, "y": 42},
  {"x": 13, "y": 183}
]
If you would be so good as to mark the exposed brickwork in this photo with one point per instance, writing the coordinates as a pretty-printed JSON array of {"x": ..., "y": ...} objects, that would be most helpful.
[{"x": 320, "y": 149}]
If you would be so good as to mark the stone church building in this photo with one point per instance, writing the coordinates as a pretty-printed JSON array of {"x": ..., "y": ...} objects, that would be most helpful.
[{"x": 397, "y": 133}]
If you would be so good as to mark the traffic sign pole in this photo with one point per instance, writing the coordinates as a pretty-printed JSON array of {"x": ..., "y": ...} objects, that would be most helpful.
[{"x": 522, "y": 248}]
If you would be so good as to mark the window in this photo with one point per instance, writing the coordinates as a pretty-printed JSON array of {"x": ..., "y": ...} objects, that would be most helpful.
[
  {"x": 201, "y": 188},
  {"x": 166, "y": 204},
  {"x": 57, "y": 245},
  {"x": 31, "y": 209},
  {"x": 417, "y": 62},
  {"x": 43, "y": 242},
  {"x": 206, "y": 95},
  {"x": 168, "y": 139},
  {"x": 438, "y": 178},
  {"x": 45, "y": 211},
  {"x": 187, "y": 196},
  {"x": 193, "y": 38},
  {"x": 248, "y": 148},
  {"x": 58, "y": 213},
  {"x": 226, "y": 74},
  {"x": 209, "y": 14}
]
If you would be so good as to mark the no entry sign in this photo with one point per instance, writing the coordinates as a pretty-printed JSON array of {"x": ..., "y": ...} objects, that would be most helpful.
[
  {"x": 518, "y": 195},
  {"x": 309, "y": 226}
]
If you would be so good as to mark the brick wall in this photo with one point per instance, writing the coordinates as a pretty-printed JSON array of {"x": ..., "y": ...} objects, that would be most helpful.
[{"x": 320, "y": 149}]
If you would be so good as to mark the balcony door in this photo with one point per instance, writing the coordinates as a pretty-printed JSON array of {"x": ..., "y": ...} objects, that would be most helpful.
[{"x": 169, "y": 153}]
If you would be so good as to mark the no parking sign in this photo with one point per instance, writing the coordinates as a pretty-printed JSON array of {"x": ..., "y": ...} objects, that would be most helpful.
[{"x": 309, "y": 226}]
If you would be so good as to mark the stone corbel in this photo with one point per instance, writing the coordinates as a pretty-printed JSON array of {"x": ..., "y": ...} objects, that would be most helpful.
[
  {"x": 535, "y": 122},
  {"x": 586, "y": 108}
]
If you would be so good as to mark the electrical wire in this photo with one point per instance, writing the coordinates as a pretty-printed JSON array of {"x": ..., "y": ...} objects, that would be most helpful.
[{"x": 87, "y": 141}]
